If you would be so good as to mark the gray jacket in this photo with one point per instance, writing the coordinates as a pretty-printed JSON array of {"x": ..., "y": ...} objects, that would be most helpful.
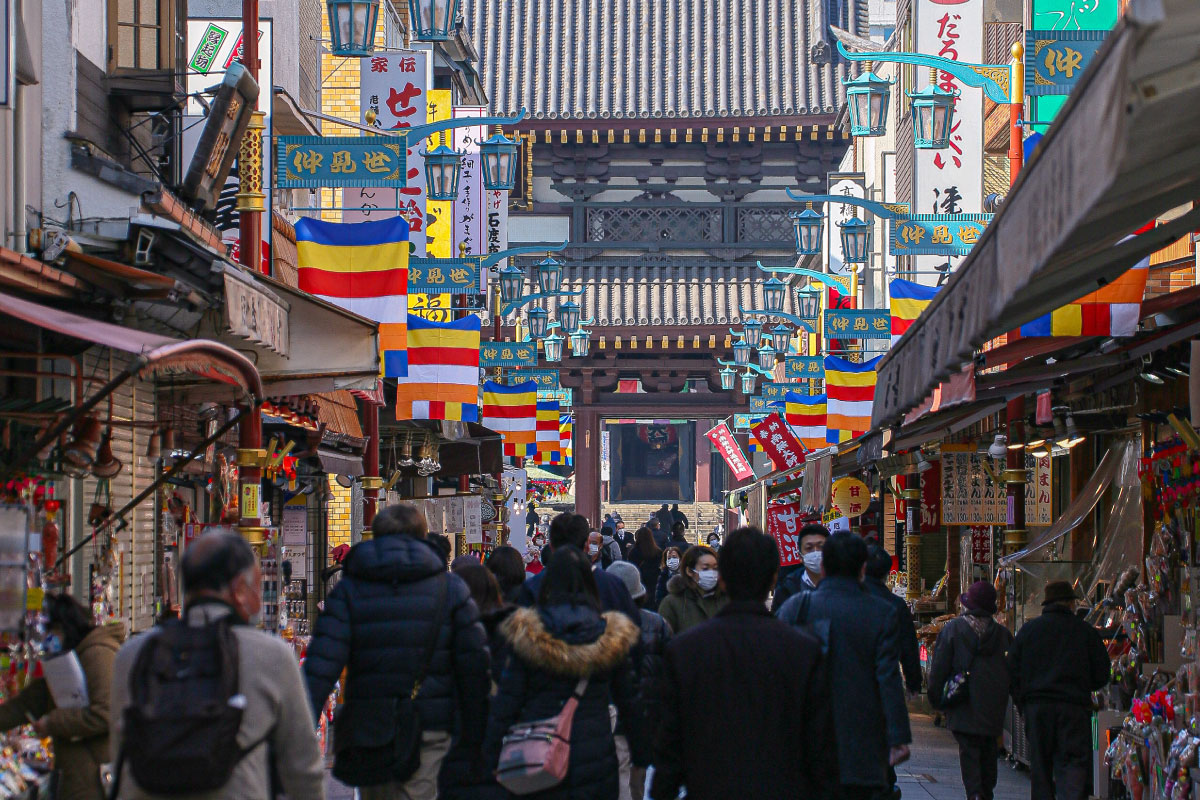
[{"x": 276, "y": 700}]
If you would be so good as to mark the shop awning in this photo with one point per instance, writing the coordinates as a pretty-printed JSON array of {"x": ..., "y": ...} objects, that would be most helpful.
[
  {"x": 1123, "y": 150},
  {"x": 335, "y": 462}
]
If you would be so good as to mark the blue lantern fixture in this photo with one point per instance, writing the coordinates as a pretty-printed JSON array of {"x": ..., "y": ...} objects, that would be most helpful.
[
  {"x": 807, "y": 225},
  {"x": 499, "y": 156},
  {"x": 781, "y": 335},
  {"x": 553, "y": 345},
  {"x": 741, "y": 352},
  {"x": 808, "y": 301},
  {"x": 512, "y": 283},
  {"x": 752, "y": 331},
  {"x": 773, "y": 292},
  {"x": 933, "y": 115},
  {"x": 579, "y": 343},
  {"x": 443, "y": 167},
  {"x": 856, "y": 240},
  {"x": 352, "y": 26},
  {"x": 727, "y": 376},
  {"x": 747, "y": 382},
  {"x": 766, "y": 356},
  {"x": 868, "y": 96},
  {"x": 549, "y": 275},
  {"x": 568, "y": 316},
  {"x": 432, "y": 20},
  {"x": 539, "y": 321}
]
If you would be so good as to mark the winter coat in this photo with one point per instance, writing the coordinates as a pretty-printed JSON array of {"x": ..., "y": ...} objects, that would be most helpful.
[
  {"x": 744, "y": 709},
  {"x": 80, "y": 734},
  {"x": 610, "y": 550},
  {"x": 1057, "y": 657},
  {"x": 679, "y": 516},
  {"x": 679, "y": 544},
  {"x": 869, "y": 712},
  {"x": 665, "y": 519},
  {"x": 977, "y": 644},
  {"x": 377, "y": 622},
  {"x": 684, "y": 607},
  {"x": 553, "y": 648},
  {"x": 661, "y": 536},
  {"x": 613, "y": 594},
  {"x": 794, "y": 583},
  {"x": 275, "y": 715},
  {"x": 650, "y": 568},
  {"x": 906, "y": 633},
  {"x": 656, "y": 633}
]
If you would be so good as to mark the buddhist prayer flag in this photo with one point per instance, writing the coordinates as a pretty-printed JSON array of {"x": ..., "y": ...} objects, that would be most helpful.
[
  {"x": 849, "y": 391},
  {"x": 512, "y": 412},
  {"x": 909, "y": 299},
  {"x": 1114, "y": 310},
  {"x": 806, "y": 414},
  {"x": 443, "y": 371},
  {"x": 362, "y": 267},
  {"x": 566, "y": 430},
  {"x": 549, "y": 446}
]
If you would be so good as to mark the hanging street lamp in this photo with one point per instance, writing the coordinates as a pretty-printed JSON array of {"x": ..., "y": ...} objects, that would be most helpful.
[
  {"x": 443, "y": 167},
  {"x": 766, "y": 356},
  {"x": 747, "y": 382},
  {"x": 549, "y": 275},
  {"x": 512, "y": 282},
  {"x": 432, "y": 20},
  {"x": 568, "y": 316},
  {"x": 727, "y": 376},
  {"x": 773, "y": 293},
  {"x": 933, "y": 115},
  {"x": 499, "y": 157},
  {"x": 856, "y": 240},
  {"x": 781, "y": 336},
  {"x": 867, "y": 97},
  {"x": 352, "y": 26},
  {"x": 808, "y": 301},
  {"x": 752, "y": 330},
  {"x": 580, "y": 340},
  {"x": 807, "y": 225},
  {"x": 741, "y": 352},
  {"x": 539, "y": 321},
  {"x": 553, "y": 345}
]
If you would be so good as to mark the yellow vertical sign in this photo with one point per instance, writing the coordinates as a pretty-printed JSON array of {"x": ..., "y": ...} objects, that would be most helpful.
[{"x": 438, "y": 227}]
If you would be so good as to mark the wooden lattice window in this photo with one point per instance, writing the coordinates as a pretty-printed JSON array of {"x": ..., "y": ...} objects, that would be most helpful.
[{"x": 140, "y": 34}]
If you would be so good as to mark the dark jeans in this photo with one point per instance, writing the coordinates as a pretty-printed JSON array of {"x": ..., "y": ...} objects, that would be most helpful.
[
  {"x": 1060, "y": 750},
  {"x": 977, "y": 759}
]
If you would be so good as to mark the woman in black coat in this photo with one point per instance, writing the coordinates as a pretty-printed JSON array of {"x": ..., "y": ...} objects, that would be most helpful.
[
  {"x": 647, "y": 557},
  {"x": 563, "y": 639}
]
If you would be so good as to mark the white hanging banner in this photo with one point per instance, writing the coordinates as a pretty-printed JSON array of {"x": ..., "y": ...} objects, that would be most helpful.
[{"x": 468, "y": 221}]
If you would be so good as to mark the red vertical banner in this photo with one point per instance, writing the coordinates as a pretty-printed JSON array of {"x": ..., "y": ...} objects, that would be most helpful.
[
  {"x": 929, "y": 514},
  {"x": 778, "y": 442},
  {"x": 784, "y": 522},
  {"x": 731, "y": 451}
]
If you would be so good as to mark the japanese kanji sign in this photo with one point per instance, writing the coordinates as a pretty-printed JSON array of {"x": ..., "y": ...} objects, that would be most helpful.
[
  {"x": 563, "y": 396},
  {"x": 743, "y": 422},
  {"x": 731, "y": 451},
  {"x": 844, "y": 184},
  {"x": 775, "y": 392},
  {"x": 798, "y": 367},
  {"x": 970, "y": 497},
  {"x": 546, "y": 379},
  {"x": 1054, "y": 60},
  {"x": 507, "y": 354},
  {"x": 851, "y": 497},
  {"x": 309, "y": 162},
  {"x": 443, "y": 276},
  {"x": 760, "y": 405},
  {"x": 869, "y": 324},
  {"x": 468, "y": 221},
  {"x": 778, "y": 442},
  {"x": 784, "y": 521},
  {"x": 937, "y": 234}
]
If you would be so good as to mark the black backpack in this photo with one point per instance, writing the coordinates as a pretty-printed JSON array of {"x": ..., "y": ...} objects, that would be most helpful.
[{"x": 185, "y": 710}]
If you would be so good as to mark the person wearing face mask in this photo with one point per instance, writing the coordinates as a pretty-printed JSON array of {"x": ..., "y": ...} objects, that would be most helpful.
[
  {"x": 811, "y": 541},
  {"x": 668, "y": 568},
  {"x": 693, "y": 596},
  {"x": 223, "y": 587}
]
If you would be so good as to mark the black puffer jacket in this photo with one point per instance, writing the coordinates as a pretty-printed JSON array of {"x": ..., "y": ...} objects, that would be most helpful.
[
  {"x": 977, "y": 644},
  {"x": 656, "y": 633},
  {"x": 552, "y": 648},
  {"x": 377, "y": 621}
]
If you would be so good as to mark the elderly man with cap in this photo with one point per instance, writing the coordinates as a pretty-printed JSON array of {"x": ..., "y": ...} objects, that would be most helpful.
[
  {"x": 973, "y": 645},
  {"x": 655, "y": 635},
  {"x": 1056, "y": 662}
]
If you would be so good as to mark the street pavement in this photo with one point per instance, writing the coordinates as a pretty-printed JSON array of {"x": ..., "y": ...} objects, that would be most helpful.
[{"x": 931, "y": 773}]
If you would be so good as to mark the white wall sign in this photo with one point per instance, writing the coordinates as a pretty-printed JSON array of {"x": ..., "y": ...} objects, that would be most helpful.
[
  {"x": 473, "y": 519},
  {"x": 468, "y": 221},
  {"x": 841, "y": 184},
  {"x": 515, "y": 485},
  {"x": 294, "y": 528},
  {"x": 604, "y": 456}
]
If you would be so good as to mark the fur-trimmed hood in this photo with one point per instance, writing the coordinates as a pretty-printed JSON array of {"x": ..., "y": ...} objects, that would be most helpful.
[
  {"x": 539, "y": 646},
  {"x": 677, "y": 584}
]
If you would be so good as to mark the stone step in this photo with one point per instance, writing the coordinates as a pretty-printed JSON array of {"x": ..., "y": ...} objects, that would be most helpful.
[{"x": 702, "y": 517}]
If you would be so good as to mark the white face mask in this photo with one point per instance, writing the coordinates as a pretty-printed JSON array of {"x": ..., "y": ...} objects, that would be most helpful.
[
  {"x": 593, "y": 549},
  {"x": 673, "y": 564},
  {"x": 707, "y": 579},
  {"x": 812, "y": 561}
]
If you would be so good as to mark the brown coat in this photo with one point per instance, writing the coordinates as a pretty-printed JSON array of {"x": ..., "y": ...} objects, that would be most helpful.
[
  {"x": 80, "y": 734},
  {"x": 684, "y": 607}
]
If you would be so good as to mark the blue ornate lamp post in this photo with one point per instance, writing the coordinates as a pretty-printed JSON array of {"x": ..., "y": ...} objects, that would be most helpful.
[
  {"x": 856, "y": 240},
  {"x": 549, "y": 275},
  {"x": 807, "y": 225},
  {"x": 443, "y": 167},
  {"x": 747, "y": 382},
  {"x": 553, "y": 347},
  {"x": 867, "y": 97},
  {"x": 512, "y": 283},
  {"x": 432, "y": 20},
  {"x": 568, "y": 316},
  {"x": 741, "y": 352},
  {"x": 752, "y": 330},
  {"x": 539, "y": 320},
  {"x": 933, "y": 115},
  {"x": 781, "y": 335},
  {"x": 580, "y": 340},
  {"x": 808, "y": 302},
  {"x": 773, "y": 294},
  {"x": 352, "y": 26},
  {"x": 499, "y": 156},
  {"x": 727, "y": 376},
  {"x": 766, "y": 356}
]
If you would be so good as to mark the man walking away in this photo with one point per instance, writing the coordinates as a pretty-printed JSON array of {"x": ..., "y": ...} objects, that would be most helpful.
[
  {"x": 402, "y": 627},
  {"x": 858, "y": 635},
  {"x": 744, "y": 710},
  {"x": 811, "y": 539},
  {"x": 678, "y": 540},
  {"x": 975, "y": 645},
  {"x": 661, "y": 535},
  {"x": 1056, "y": 662},
  {"x": 679, "y": 516},
  {"x": 879, "y": 563},
  {"x": 159, "y": 724},
  {"x": 665, "y": 518}
]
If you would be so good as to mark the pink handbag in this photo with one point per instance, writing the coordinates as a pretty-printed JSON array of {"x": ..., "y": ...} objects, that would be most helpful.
[{"x": 534, "y": 755}]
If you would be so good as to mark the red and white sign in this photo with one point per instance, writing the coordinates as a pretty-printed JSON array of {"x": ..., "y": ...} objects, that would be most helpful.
[
  {"x": 778, "y": 442},
  {"x": 981, "y": 545},
  {"x": 784, "y": 522},
  {"x": 731, "y": 451}
]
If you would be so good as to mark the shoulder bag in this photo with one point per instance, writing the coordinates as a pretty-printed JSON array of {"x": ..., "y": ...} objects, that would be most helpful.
[{"x": 534, "y": 755}]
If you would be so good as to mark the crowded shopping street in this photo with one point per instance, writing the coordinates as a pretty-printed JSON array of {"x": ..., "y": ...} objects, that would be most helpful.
[{"x": 600, "y": 399}]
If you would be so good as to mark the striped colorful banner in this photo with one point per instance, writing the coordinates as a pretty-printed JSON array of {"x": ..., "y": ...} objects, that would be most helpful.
[
  {"x": 909, "y": 299},
  {"x": 849, "y": 391},
  {"x": 512, "y": 412},
  {"x": 566, "y": 437},
  {"x": 806, "y": 414},
  {"x": 549, "y": 445},
  {"x": 363, "y": 268},
  {"x": 1114, "y": 310},
  {"x": 443, "y": 371}
]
